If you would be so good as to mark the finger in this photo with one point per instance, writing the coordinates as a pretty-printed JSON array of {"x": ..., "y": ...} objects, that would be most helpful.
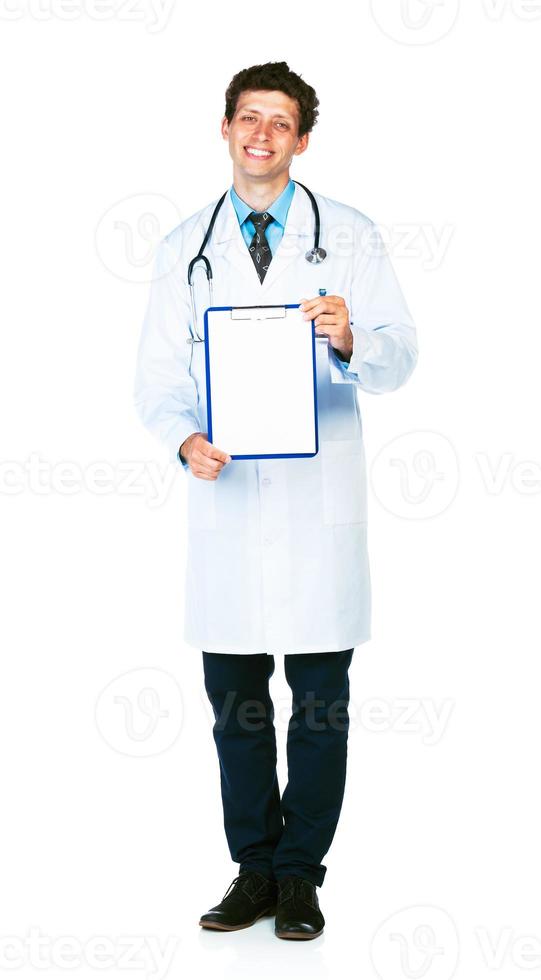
[
  {"x": 323, "y": 306},
  {"x": 326, "y": 319},
  {"x": 311, "y": 312},
  {"x": 203, "y": 476},
  {"x": 204, "y": 472},
  {"x": 212, "y": 452},
  {"x": 206, "y": 464},
  {"x": 308, "y": 304}
]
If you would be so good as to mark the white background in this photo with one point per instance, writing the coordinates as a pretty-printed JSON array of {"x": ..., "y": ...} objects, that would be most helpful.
[{"x": 112, "y": 822}]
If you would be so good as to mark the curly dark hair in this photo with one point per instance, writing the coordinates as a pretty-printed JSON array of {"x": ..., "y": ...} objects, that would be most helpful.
[{"x": 274, "y": 76}]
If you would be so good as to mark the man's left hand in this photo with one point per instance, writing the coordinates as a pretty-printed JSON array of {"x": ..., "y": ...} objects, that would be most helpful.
[{"x": 331, "y": 319}]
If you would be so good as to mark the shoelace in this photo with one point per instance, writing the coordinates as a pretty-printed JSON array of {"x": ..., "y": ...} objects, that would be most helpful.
[
  {"x": 291, "y": 889},
  {"x": 243, "y": 874}
]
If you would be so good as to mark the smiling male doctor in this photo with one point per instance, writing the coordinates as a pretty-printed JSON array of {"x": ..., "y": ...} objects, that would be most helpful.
[{"x": 277, "y": 548}]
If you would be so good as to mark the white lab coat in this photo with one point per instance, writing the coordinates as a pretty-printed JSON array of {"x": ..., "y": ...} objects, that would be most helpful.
[{"x": 277, "y": 556}]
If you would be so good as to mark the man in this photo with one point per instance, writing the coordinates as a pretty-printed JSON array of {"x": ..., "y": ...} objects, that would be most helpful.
[{"x": 277, "y": 556}]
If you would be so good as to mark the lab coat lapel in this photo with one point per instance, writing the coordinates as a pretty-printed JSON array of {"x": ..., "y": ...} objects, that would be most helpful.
[{"x": 228, "y": 242}]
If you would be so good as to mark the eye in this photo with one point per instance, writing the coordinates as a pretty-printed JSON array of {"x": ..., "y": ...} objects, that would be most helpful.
[{"x": 248, "y": 117}]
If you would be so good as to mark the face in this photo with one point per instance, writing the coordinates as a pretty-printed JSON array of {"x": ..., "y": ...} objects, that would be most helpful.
[{"x": 262, "y": 134}]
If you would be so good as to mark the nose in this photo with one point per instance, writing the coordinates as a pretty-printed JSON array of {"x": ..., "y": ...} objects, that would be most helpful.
[{"x": 263, "y": 131}]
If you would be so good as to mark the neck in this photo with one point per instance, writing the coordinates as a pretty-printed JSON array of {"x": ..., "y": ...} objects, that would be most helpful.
[{"x": 259, "y": 195}]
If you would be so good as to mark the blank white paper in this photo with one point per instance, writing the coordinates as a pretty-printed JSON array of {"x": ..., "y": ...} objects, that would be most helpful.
[{"x": 260, "y": 383}]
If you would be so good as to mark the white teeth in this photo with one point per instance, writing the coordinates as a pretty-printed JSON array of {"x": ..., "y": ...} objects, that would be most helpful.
[{"x": 258, "y": 153}]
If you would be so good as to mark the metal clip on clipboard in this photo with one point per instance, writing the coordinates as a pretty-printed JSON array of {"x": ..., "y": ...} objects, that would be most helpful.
[
  {"x": 266, "y": 313},
  {"x": 258, "y": 312}
]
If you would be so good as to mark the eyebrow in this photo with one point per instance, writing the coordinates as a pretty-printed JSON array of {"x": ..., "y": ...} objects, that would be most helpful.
[{"x": 278, "y": 115}]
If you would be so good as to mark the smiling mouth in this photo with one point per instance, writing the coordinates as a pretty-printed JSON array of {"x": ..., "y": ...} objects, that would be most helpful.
[{"x": 255, "y": 154}]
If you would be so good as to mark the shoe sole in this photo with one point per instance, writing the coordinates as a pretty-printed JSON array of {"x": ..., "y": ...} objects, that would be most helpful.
[
  {"x": 245, "y": 925},
  {"x": 297, "y": 935}
]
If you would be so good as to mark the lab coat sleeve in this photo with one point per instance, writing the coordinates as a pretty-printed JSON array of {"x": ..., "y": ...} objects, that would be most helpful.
[
  {"x": 165, "y": 394},
  {"x": 384, "y": 335}
]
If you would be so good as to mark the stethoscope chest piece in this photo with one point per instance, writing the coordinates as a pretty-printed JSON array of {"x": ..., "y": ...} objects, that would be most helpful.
[{"x": 315, "y": 255}]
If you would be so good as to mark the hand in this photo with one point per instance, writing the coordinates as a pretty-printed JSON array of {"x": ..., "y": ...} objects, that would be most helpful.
[
  {"x": 331, "y": 319},
  {"x": 204, "y": 459}
]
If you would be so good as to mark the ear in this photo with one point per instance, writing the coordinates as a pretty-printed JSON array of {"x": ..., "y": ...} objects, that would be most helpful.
[
  {"x": 302, "y": 145},
  {"x": 225, "y": 128}
]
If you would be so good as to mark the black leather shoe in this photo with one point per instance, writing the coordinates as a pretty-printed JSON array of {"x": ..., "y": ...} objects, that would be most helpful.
[
  {"x": 298, "y": 915},
  {"x": 249, "y": 897}
]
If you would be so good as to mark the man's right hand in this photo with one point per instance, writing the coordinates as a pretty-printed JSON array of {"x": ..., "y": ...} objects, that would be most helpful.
[{"x": 204, "y": 459}]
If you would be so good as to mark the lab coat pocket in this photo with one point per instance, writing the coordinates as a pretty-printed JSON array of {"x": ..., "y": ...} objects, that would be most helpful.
[
  {"x": 201, "y": 503},
  {"x": 343, "y": 474}
]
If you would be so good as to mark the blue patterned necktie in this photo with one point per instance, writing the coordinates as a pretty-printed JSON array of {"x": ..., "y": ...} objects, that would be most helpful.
[{"x": 259, "y": 246}]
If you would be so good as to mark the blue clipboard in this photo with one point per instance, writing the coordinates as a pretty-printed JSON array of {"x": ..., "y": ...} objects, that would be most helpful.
[{"x": 257, "y": 321}]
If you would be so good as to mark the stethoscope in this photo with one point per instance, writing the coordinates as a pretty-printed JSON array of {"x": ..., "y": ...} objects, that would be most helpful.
[{"x": 313, "y": 255}]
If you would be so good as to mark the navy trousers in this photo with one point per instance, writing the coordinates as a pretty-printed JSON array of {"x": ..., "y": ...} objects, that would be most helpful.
[{"x": 265, "y": 832}]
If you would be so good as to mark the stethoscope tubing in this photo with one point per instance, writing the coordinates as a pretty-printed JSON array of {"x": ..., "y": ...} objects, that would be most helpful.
[{"x": 316, "y": 254}]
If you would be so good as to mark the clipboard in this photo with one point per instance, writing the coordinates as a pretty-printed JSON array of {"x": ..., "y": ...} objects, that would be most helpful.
[{"x": 261, "y": 381}]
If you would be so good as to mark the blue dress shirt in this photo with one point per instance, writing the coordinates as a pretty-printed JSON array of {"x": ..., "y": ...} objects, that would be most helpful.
[{"x": 279, "y": 209}]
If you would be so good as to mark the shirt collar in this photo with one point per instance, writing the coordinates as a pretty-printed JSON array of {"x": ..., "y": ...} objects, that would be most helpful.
[{"x": 278, "y": 208}]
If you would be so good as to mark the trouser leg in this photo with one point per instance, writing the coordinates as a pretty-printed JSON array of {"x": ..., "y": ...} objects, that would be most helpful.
[
  {"x": 237, "y": 686},
  {"x": 316, "y": 758}
]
